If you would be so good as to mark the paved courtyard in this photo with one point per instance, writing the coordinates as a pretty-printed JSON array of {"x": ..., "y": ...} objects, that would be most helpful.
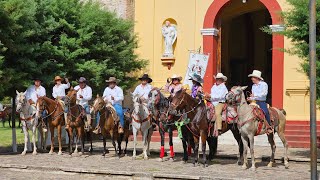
[{"x": 95, "y": 166}]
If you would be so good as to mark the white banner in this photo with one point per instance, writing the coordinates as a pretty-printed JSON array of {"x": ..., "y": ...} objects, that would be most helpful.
[{"x": 197, "y": 65}]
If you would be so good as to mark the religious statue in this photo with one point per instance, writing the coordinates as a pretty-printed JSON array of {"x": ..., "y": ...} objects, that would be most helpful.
[{"x": 169, "y": 33}]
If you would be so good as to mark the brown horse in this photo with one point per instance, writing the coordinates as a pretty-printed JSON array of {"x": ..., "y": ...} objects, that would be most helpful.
[
  {"x": 109, "y": 125},
  {"x": 76, "y": 118},
  {"x": 55, "y": 118},
  {"x": 198, "y": 125}
]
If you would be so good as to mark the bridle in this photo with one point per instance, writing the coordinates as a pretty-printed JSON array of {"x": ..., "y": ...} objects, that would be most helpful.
[{"x": 22, "y": 104}]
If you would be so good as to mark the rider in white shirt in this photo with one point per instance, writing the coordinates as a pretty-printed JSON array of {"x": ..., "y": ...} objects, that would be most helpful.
[
  {"x": 259, "y": 94},
  {"x": 84, "y": 95},
  {"x": 144, "y": 88},
  {"x": 33, "y": 93},
  {"x": 217, "y": 98},
  {"x": 114, "y": 95},
  {"x": 59, "y": 93}
]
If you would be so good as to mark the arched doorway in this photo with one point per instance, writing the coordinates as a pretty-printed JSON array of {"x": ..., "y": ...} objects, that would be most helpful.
[{"x": 234, "y": 51}]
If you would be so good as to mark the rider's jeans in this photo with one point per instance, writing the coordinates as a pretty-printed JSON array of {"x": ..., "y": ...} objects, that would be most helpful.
[
  {"x": 263, "y": 106},
  {"x": 119, "y": 110}
]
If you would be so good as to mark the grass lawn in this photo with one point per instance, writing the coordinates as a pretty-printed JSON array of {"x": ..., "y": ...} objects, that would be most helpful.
[{"x": 6, "y": 135}]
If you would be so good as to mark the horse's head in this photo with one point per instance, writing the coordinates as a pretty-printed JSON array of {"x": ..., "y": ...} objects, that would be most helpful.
[
  {"x": 71, "y": 96},
  {"x": 21, "y": 100},
  {"x": 136, "y": 103},
  {"x": 235, "y": 94},
  {"x": 98, "y": 104},
  {"x": 154, "y": 98},
  {"x": 178, "y": 101}
]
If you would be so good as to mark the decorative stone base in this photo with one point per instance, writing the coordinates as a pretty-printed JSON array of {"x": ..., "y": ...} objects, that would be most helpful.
[{"x": 168, "y": 61}]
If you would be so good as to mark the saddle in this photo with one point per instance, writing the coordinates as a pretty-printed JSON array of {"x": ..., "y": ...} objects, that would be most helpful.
[
  {"x": 113, "y": 113},
  {"x": 229, "y": 113},
  {"x": 260, "y": 116}
]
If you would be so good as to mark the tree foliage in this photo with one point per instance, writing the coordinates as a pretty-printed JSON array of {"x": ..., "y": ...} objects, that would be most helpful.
[
  {"x": 70, "y": 38},
  {"x": 297, "y": 30}
]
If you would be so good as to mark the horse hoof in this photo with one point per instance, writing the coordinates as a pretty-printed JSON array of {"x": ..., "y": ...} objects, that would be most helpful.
[
  {"x": 23, "y": 153},
  {"x": 205, "y": 165},
  {"x": 50, "y": 152},
  {"x": 244, "y": 166},
  {"x": 286, "y": 165},
  {"x": 133, "y": 158},
  {"x": 239, "y": 163},
  {"x": 270, "y": 164},
  {"x": 171, "y": 159},
  {"x": 145, "y": 158},
  {"x": 160, "y": 160},
  {"x": 253, "y": 168},
  {"x": 75, "y": 152},
  {"x": 34, "y": 153},
  {"x": 80, "y": 153},
  {"x": 184, "y": 162},
  {"x": 59, "y": 153}
]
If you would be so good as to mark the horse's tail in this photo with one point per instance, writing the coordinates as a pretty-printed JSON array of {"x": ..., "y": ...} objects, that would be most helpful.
[{"x": 283, "y": 111}]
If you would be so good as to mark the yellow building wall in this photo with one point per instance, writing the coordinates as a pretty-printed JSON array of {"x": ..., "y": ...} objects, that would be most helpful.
[{"x": 189, "y": 15}]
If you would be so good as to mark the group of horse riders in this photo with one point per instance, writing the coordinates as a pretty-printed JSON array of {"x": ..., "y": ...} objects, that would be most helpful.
[{"x": 113, "y": 94}]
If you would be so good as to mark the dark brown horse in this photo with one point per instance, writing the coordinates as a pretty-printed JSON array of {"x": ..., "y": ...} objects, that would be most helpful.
[
  {"x": 55, "y": 118},
  {"x": 76, "y": 118},
  {"x": 158, "y": 105},
  {"x": 109, "y": 125},
  {"x": 193, "y": 114}
]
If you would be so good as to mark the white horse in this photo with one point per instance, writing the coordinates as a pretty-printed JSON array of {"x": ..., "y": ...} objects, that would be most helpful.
[
  {"x": 29, "y": 120},
  {"x": 141, "y": 121}
]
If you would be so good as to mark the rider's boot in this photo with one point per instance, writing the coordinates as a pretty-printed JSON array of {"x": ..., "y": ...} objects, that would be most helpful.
[{"x": 66, "y": 122}]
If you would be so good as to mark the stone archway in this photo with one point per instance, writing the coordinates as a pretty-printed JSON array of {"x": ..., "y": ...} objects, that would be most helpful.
[{"x": 211, "y": 45}]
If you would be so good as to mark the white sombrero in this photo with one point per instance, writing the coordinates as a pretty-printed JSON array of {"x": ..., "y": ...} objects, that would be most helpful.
[
  {"x": 176, "y": 77},
  {"x": 256, "y": 74},
  {"x": 221, "y": 76}
]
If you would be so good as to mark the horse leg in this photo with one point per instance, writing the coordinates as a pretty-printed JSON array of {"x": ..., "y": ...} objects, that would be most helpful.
[
  {"x": 114, "y": 144},
  {"x": 150, "y": 132},
  {"x": 145, "y": 144},
  {"x": 82, "y": 139},
  {"x": 90, "y": 139},
  {"x": 52, "y": 139},
  {"x": 26, "y": 136},
  {"x": 203, "y": 143},
  {"x": 134, "y": 131},
  {"x": 77, "y": 141},
  {"x": 34, "y": 128},
  {"x": 253, "y": 163},
  {"x": 237, "y": 136},
  {"x": 245, "y": 151},
  {"x": 127, "y": 140},
  {"x": 59, "y": 140},
  {"x": 285, "y": 145},
  {"x": 104, "y": 146},
  {"x": 196, "y": 151},
  {"x": 120, "y": 138},
  {"x": 171, "y": 144},
  {"x": 185, "y": 153},
  {"x": 162, "y": 134},
  {"x": 273, "y": 149},
  {"x": 70, "y": 134}
]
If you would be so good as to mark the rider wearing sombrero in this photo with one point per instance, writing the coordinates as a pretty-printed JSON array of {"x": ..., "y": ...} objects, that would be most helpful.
[
  {"x": 59, "y": 93},
  {"x": 84, "y": 95},
  {"x": 33, "y": 93},
  {"x": 113, "y": 94},
  {"x": 259, "y": 94},
  {"x": 217, "y": 98},
  {"x": 173, "y": 84},
  {"x": 196, "y": 87},
  {"x": 144, "y": 88}
]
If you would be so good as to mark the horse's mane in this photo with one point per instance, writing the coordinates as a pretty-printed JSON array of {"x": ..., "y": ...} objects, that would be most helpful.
[{"x": 47, "y": 99}]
